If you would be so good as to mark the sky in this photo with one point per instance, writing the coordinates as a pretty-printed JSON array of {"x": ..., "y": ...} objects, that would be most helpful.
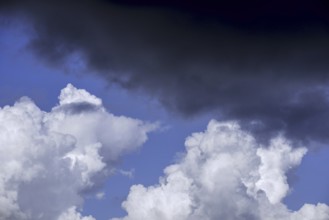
[{"x": 138, "y": 110}]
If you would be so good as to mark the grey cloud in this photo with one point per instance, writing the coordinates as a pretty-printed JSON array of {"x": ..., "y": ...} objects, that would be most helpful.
[
  {"x": 270, "y": 72},
  {"x": 81, "y": 107}
]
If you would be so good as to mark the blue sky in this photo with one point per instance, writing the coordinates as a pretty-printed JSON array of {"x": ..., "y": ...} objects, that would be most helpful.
[
  {"x": 22, "y": 75},
  {"x": 25, "y": 74}
]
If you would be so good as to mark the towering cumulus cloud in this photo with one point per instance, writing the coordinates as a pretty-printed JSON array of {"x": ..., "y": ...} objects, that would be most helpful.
[
  {"x": 48, "y": 160},
  {"x": 225, "y": 174},
  {"x": 263, "y": 63}
]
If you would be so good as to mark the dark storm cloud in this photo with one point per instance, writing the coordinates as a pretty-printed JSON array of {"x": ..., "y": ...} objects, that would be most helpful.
[{"x": 262, "y": 63}]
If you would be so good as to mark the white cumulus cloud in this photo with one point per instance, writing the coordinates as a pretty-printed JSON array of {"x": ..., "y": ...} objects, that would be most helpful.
[
  {"x": 72, "y": 214},
  {"x": 225, "y": 174},
  {"x": 48, "y": 159}
]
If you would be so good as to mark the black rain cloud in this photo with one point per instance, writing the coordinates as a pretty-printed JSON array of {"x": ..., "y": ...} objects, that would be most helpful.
[{"x": 264, "y": 64}]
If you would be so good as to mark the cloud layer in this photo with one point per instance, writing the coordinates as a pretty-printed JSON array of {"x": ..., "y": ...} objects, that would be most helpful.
[
  {"x": 261, "y": 63},
  {"x": 49, "y": 160},
  {"x": 225, "y": 174}
]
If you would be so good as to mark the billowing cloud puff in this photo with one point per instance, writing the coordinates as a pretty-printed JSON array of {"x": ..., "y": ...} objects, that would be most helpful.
[
  {"x": 48, "y": 159},
  {"x": 225, "y": 174},
  {"x": 72, "y": 214}
]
